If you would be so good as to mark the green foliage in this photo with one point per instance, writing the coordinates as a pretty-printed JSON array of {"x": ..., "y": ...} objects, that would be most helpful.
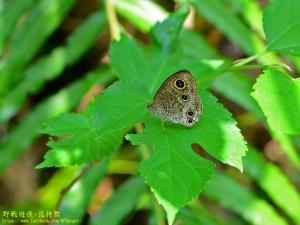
[
  {"x": 32, "y": 124},
  {"x": 250, "y": 11},
  {"x": 121, "y": 204},
  {"x": 119, "y": 53},
  {"x": 49, "y": 194},
  {"x": 198, "y": 215},
  {"x": 179, "y": 167},
  {"x": 81, "y": 194},
  {"x": 240, "y": 94},
  {"x": 174, "y": 172},
  {"x": 83, "y": 145},
  {"x": 272, "y": 180},
  {"x": 22, "y": 47},
  {"x": 166, "y": 32},
  {"x": 51, "y": 66},
  {"x": 279, "y": 97},
  {"x": 10, "y": 16},
  {"x": 282, "y": 26},
  {"x": 216, "y": 12},
  {"x": 143, "y": 14},
  {"x": 242, "y": 200},
  {"x": 254, "y": 164},
  {"x": 127, "y": 97}
]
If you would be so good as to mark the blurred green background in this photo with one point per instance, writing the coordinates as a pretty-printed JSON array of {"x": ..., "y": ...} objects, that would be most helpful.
[{"x": 54, "y": 59}]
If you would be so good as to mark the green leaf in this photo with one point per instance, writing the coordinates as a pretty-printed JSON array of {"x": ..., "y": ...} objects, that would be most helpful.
[
  {"x": 282, "y": 26},
  {"x": 240, "y": 94},
  {"x": 216, "y": 12},
  {"x": 49, "y": 67},
  {"x": 137, "y": 67},
  {"x": 122, "y": 105},
  {"x": 29, "y": 128},
  {"x": 142, "y": 14},
  {"x": 250, "y": 11},
  {"x": 187, "y": 216},
  {"x": 82, "y": 146},
  {"x": 174, "y": 172},
  {"x": 10, "y": 16},
  {"x": 84, "y": 36},
  {"x": 50, "y": 13},
  {"x": 88, "y": 142},
  {"x": 76, "y": 201},
  {"x": 120, "y": 204},
  {"x": 195, "y": 46},
  {"x": 166, "y": 32},
  {"x": 224, "y": 19},
  {"x": 271, "y": 179},
  {"x": 242, "y": 201},
  {"x": 278, "y": 95}
]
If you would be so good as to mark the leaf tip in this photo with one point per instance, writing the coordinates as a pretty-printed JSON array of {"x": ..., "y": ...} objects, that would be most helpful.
[
  {"x": 171, "y": 211},
  {"x": 40, "y": 166}
]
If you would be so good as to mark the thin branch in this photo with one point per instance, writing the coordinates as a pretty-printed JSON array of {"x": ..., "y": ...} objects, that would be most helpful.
[
  {"x": 112, "y": 19},
  {"x": 231, "y": 69},
  {"x": 68, "y": 188},
  {"x": 241, "y": 62}
]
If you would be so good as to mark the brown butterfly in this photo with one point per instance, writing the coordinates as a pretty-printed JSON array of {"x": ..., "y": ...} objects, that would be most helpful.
[{"x": 177, "y": 99}]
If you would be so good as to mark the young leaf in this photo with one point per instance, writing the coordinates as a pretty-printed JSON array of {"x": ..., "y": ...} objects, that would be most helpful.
[
  {"x": 279, "y": 98},
  {"x": 282, "y": 26},
  {"x": 82, "y": 145}
]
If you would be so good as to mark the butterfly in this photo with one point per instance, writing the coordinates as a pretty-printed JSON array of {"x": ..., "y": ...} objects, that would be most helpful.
[{"x": 177, "y": 100}]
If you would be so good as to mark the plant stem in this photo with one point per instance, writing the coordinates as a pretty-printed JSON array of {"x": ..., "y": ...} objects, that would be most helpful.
[
  {"x": 231, "y": 69},
  {"x": 249, "y": 59},
  {"x": 112, "y": 19},
  {"x": 127, "y": 167},
  {"x": 68, "y": 188}
]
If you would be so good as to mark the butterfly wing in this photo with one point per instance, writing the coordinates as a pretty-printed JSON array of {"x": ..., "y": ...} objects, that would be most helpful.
[{"x": 177, "y": 99}]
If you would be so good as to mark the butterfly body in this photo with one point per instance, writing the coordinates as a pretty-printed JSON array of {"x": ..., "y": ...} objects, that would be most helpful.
[{"x": 177, "y": 99}]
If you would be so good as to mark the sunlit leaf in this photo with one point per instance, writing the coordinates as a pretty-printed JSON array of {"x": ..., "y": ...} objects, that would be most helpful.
[
  {"x": 174, "y": 172},
  {"x": 282, "y": 26},
  {"x": 82, "y": 146},
  {"x": 278, "y": 95}
]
